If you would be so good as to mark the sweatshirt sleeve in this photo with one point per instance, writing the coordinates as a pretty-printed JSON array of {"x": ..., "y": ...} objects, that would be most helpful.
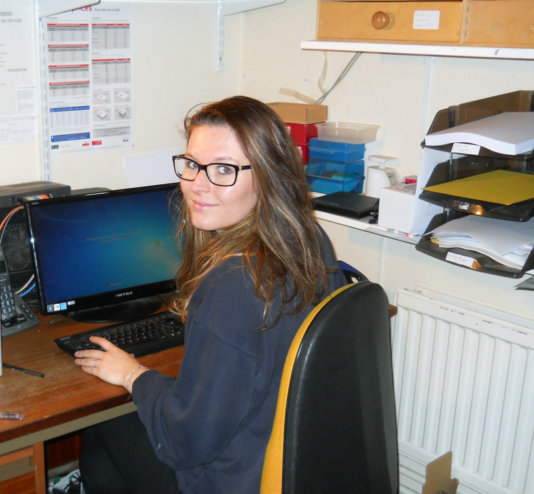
[{"x": 191, "y": 419}]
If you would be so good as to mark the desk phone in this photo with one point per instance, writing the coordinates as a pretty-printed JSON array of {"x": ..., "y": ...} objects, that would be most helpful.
[{"x": 16, "y": 314}]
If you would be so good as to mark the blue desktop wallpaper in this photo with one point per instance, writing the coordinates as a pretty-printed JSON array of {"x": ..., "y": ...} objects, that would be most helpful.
[{"x": 105, "y": 244}]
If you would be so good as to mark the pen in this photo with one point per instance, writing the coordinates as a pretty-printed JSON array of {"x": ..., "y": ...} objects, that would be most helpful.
[
  {"x": 22, "y": 369},
  {"x": 11, "y": 415}
]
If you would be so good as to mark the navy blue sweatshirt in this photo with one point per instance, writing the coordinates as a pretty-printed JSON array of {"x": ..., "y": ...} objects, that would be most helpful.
[{"x": 213, "y": 422}]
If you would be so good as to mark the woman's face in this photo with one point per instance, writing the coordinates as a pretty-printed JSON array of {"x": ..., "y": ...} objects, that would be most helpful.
[{"x": 214, "y": 207}]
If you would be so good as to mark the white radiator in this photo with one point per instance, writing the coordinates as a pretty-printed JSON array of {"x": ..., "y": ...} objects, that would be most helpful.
[{"x": 464, "y": 382}]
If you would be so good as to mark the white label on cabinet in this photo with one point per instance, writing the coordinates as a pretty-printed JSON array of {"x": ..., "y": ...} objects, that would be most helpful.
[{"x": 426, "y": 19}]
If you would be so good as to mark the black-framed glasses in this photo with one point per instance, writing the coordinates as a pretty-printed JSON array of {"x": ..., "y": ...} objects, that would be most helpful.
[{"x": 222, "y": 174}]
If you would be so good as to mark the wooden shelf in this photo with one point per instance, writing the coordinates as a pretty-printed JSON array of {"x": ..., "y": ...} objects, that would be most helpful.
[{"x": 427, "y": 50}]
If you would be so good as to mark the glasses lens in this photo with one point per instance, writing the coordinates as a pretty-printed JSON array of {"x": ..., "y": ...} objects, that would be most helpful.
[
  {"x": 185, "y": 168},
  {"x": 221, "y": 174}
]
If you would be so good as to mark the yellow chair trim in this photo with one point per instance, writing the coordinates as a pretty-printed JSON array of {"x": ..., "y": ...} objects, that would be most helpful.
[{"x": 271, "y": 481}]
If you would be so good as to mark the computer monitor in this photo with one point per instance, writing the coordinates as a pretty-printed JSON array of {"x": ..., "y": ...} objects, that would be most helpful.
[{"x": 105, "y": 256}]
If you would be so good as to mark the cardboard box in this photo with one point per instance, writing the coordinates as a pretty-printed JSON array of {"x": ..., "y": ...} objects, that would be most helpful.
[
  {"x": 302, "y": 133},
  {"x": 397, "y": 209},
  {"x": 300, "y": 112},
  {"x": 438, "y": 476}
]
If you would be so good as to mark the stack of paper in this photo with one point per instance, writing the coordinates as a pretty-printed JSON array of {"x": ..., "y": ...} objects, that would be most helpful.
[
  {"x": 498, "y": 186},
  {"x": 507, "y": 242},
  {"x": 508, "y": 133}
]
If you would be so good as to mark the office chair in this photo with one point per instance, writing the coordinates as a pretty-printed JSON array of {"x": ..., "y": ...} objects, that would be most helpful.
[
  {"x": 335, "y": 425},
  {"x": 351, "y": 274}
]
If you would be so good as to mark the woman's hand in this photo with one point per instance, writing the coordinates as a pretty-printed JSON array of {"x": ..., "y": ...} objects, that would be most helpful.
[{"x": 111, "y": 364}]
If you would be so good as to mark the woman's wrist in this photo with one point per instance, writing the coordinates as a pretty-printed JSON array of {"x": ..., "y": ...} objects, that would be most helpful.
[{"x": 132, "y": 376}]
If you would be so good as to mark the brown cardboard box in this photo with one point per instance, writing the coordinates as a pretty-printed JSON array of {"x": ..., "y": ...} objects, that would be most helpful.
[
  {"x": 300, "y": 112},
  {"x": 438, "y": 476}
]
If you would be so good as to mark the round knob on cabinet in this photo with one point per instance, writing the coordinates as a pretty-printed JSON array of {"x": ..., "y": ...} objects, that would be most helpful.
[{"x": 380, "y": 20}]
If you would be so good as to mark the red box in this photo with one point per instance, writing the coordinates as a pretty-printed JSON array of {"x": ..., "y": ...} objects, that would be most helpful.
[{"x": 302, "y": 133}]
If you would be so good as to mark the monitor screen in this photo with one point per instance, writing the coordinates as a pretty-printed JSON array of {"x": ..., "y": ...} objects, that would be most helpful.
[{"x": 95, "y": 256}]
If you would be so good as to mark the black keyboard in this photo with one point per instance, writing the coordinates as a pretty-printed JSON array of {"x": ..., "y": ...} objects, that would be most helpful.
[{"x": 143, "y": 336}]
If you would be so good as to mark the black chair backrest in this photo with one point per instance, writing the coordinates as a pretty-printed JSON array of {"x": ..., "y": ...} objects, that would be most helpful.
[{"x": 340, "y": 424}]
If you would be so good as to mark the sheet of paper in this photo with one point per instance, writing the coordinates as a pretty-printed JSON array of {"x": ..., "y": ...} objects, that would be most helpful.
[
  {"x": 527, "y": 284},
  {"x": 500, "y": 236},
  {"x": 507, "y": 242},
  {"x": 498, "y": 186},
  {"x": 509, "y": 133},
  {"x": 89, "y": 60},
  {"x": 18, "y": 72},
  {"x": 150, "y": 168}
]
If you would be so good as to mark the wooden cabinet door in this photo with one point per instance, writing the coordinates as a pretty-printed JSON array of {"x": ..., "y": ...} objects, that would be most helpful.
[
  {"x": 499, "y": 23},
  {"x": 414, "y": 21}
]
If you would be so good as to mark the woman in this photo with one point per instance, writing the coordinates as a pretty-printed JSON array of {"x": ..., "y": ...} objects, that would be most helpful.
[{"x": 255, "y": 263}]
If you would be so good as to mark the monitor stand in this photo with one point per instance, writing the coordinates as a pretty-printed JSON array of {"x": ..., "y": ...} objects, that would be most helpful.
[{"x": 124, "y": 311}]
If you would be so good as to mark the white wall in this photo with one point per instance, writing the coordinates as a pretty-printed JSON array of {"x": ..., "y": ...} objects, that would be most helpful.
[{"x": 401, "y": 93}]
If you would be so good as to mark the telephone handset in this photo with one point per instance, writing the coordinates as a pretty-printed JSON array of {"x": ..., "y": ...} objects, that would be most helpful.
[{"x": 16, "y": 314}]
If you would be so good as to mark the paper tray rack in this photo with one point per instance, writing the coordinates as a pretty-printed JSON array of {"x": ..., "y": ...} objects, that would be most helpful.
[{"x": 468, "y": 258}]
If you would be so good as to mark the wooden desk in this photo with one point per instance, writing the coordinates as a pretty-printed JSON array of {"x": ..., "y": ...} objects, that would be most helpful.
[{"x": 65, "y": 400}]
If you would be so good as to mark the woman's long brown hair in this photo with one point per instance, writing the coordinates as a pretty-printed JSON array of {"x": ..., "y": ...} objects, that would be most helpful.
[{"x": 278, "y": 240}]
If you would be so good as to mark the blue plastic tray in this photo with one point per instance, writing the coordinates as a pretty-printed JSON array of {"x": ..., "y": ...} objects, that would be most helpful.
[
  {"x": 335, "y": 151},
  {"x": 329, "y": 176}
]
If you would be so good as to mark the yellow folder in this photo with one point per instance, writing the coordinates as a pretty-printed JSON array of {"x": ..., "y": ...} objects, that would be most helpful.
[{"x": 498, "y": 186}]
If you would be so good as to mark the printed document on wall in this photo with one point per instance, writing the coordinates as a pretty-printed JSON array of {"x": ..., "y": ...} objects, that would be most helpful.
[
  {"x": 18, "y": 74},
  {"x": 89, "y": 72}
]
